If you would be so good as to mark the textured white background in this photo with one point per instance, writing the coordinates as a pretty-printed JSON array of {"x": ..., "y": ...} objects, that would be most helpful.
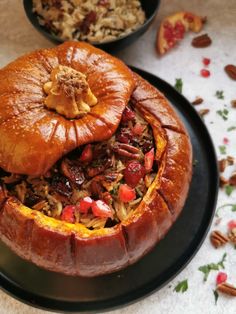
[{"x": 17, "y": 37}]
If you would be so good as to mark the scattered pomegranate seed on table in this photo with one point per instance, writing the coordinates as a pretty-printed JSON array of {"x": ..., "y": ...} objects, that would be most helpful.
[
  {"x": 206, "y": 61},
  {"x": 221, "y": 277},
  {"x": 205, "y": 73}
]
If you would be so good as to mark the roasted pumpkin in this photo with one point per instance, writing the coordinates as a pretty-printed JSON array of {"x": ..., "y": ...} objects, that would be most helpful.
[{"x": 62, "y": 112}]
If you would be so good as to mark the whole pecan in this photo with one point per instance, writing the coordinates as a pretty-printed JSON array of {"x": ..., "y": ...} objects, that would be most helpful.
[
  {"x": 218, "y": 239},
  {"x": 201, "y": 41},
  {"x": 232, "y": 235},
  {"x": 232, "y": 179},
  {"x": 227, "y": 289},
  {"x": 230, "y": 69},
  {"x": 223, "y": 181},
  {"x": 233, "y": 103},
  {"x": 127, "y": 150},
  {"x": 203, "y": 112},
  {"x": 222, "y": 164}
]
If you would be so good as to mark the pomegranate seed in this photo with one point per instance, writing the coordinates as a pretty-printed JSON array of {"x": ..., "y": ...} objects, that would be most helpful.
[
  {"x": 148, "y": 160},
  {"x": 225, "y": 140},
  {"x": 101, "y": 209},
  {"x": 206, "y": 61},
  {"x": 85, "y": 204},
  {"x": 133, "y": 173},
  {"x": 87, "y": 154},
  {"x": 205, "y": 73},
  {"x": 68, "y": 213},
  {"x": 126, "y": 193},
  {"x": 221, "y": 277},
  {"x": 232, "y": 224}
]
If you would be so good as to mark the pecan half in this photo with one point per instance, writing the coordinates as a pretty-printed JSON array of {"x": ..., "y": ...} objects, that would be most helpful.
[
  {"x": 232, "y": 179},
  {"x": 218, "y": 239},
  {"x": 227, "y": 289},
  {"x": 231, "y": 160},
  {"x": 72, "y": 171},
  {"x": 223, "y": 181},
  {"x": 197, "y": 101},
  {"x": 222, "y": 164},
  {"x": 127, "y": 150},
  {"x": 203, "y": 112},
  {"x": 233, "y": 103},
  {"x": 230, "y": 69},
  {"x": 201, "y": 41}
]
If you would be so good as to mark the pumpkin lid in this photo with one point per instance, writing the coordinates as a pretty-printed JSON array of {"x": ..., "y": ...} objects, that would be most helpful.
[{"x": 54, "y": 100}]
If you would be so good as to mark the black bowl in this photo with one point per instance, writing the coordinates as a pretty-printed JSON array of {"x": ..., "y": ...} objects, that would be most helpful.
[{"x": 149, "y": 6}]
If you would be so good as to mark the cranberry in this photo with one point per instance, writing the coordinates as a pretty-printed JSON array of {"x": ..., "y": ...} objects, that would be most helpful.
[
  {"x": 148, "y": 160},
  {"x": 68, "y": 213},
  {"x": 128, "y": 115},
  {"x": 87, "y": 154},
  {"x": 124, "y": 136},
  {"x": 221, "y": 277},
  {"x": 101, "y": 209},
  {"x": 205, "y": 73},
  {"x": 133, "y": 173},
  {"x": 85, "y": 204},
  {"x": 206, "y": 61},
  {"x": 89, "y": 19},
  {"x": 126, "y": 193}
]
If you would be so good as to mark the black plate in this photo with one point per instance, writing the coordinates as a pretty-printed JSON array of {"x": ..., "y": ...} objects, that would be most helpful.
[
  {"x": 53, "y": 291},
  {"x": 150, "y": 8}
]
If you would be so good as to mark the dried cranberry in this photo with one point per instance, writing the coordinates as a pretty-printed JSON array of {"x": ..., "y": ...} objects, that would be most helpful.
[
  {"x": 124, "y": 136},
  {"x": 221, "y": 277},
  {"x": 128, "y": 115},
  {"x": 89, "y": 19},
  {"x": 107, "y": 198},
  {"x": 61, "y": 185},
  {"x": 147, "y": 145},
  {"x": 133, "y": 173},
  {"x": 87, "y": 154},
  {"x": 205, "y": 73}
]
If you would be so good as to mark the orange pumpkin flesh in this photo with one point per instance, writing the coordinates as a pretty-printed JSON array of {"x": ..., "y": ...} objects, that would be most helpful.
[
  {"x": 72, "y": 248},
  {"x": 173, "y": 29}
]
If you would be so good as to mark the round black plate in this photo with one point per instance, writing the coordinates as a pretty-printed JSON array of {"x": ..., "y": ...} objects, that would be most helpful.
[{"x": 53, "y": 291}]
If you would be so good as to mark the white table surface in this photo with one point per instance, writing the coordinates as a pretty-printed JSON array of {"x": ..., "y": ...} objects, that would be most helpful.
[{"x": 17, "y": 37}]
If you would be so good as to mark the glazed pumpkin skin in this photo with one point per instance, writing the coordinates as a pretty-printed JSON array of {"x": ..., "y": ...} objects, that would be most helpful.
[{"x": 72, "y": 248}]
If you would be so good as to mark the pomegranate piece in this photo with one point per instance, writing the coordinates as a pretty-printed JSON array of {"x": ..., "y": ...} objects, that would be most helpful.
[
  {"x": 133, "y": 173},
  {"x": 126, "y": 193},
  {"x": 148, "y": 160},
  {"x": 72, "y": 171},
  {"x": 138, "y": 129},
  {"x": 232, "y": 224},
  {"x": 85, "y": 204},
  {"x": 173, "y": 29},
  {"x": 205, "y": 73},
  {"x": 87, "y": 154},
  {"x": 221, "y": 277},
  {"x": 101, "y": 209},
  {"x": 89, "y": 19},
  {"x": 68, "y": 214},
  {"x": 128, "y": 115},
  {"x": 206, "y": 61}
]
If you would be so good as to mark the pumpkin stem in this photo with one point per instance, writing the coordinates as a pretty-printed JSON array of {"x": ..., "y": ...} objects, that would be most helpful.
[{"x": 68, "y": 92}]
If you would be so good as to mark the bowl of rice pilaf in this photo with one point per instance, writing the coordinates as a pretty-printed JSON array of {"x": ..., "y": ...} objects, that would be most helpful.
[{"x": 107, "y": 24}]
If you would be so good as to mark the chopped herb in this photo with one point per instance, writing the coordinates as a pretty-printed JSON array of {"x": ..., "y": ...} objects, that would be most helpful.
[
  {"x": 206, "y": 269},
  {"x": 222, "y": 149},
  {"x": 220, "y": 94},
  {"x": 216, "y": 295},
  {"x": 223, "y": 113},
  {"x": 229, "y": 189},
  {"x": 179, "y": 85},
  {"x": 233, "y": 208},
  {"x": 182, "y": 286},
  {"x": 231, "y": 128}
]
